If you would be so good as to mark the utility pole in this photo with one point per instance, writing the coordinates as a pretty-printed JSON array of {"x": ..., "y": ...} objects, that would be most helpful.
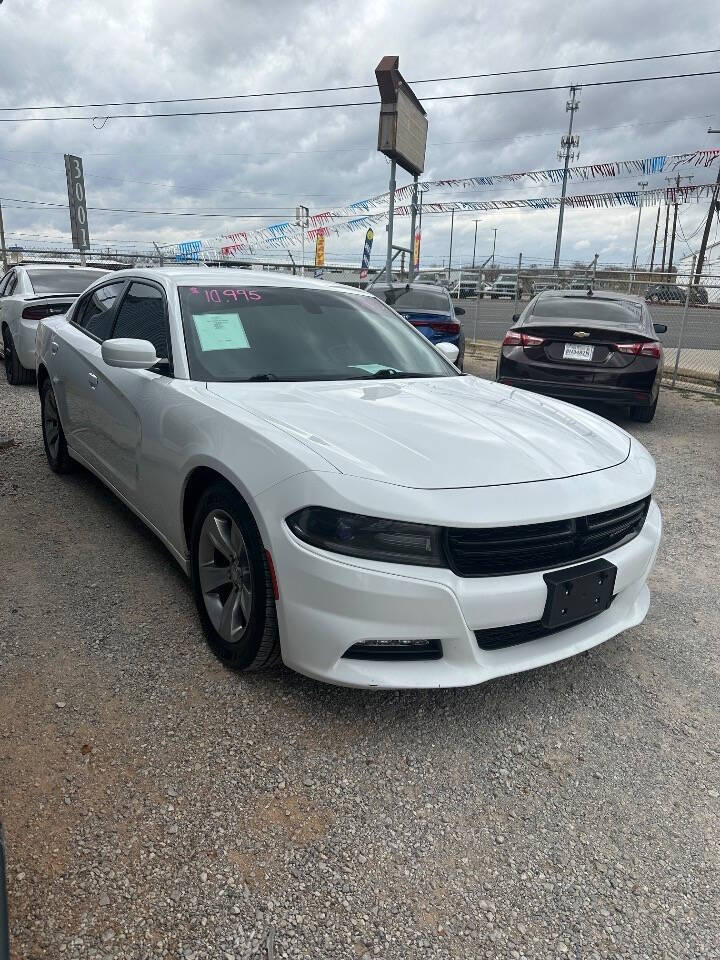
[
  {"x": 642, "y": 184},
  {"x": 667, "y": 218},
  {"x": 475, "y": 243},
  {"x": 302, "y": 219},
  {"x": 652, "y": 256},
  {"x": 706, "y": 231},
  {"x": 2, "y": 243},
  {"x": 495, "y": 230},
  {"x": 675, "y": 216},
  {"x": 452, "y": 227},
  {"x": 413, "y": 217},
  {"x": 567, "y": 146}
]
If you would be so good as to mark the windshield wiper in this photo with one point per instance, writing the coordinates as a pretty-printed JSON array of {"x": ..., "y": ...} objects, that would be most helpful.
[
  {"x": 390, "y": 372},
  {"x": 261, "y": 376}
]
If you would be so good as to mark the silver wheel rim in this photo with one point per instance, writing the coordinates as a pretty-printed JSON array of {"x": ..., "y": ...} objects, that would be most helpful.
[
  {"x": 51, "y": 422},
  {"x": 225, "y": 576}
]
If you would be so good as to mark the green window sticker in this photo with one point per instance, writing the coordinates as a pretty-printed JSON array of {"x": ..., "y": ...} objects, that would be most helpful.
[{"x": 220, "y": 331}]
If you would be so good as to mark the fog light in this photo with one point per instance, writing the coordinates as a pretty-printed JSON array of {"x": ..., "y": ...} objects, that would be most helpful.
[{"x": 395, "y": 650}]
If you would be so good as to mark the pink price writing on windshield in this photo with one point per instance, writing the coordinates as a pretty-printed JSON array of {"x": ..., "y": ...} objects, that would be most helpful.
[{"x": 230, "y": 295}]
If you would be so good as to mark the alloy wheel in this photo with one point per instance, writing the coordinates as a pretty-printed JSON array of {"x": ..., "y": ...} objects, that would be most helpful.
[{"x": 225, "y": 575}]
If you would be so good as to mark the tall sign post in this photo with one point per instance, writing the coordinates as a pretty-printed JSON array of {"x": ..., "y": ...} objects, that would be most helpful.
[
  {"x": 402, "y": 137},
  {"x": 365, "y": 263},
  {"x": 76, "y": 202}
]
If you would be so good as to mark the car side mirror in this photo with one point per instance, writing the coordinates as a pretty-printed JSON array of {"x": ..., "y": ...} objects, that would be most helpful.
[
  {"x": 515, "y": 317},
  {"x": 448, "y": 350},
  {"x": 459, "y": 311},
  {"x": 660, "y": 327},
  {"x": 129, "y": 353}
]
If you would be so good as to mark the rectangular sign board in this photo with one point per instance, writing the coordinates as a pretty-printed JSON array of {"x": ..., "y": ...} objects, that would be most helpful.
[
  {"x": 402, "y": 134},
  {"x": 76, "y": 201}
]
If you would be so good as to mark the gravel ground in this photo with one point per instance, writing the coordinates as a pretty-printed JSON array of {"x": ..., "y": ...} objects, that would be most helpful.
[{"x": 156, "y": 805}]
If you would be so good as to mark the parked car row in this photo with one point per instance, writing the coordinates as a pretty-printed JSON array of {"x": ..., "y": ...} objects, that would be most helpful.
[
  {"x": 338, "y": 493},
  {"x": 674, "y": 293}
]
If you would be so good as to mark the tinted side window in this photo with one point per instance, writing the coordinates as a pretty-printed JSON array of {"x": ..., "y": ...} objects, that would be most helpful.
[
  {"x": 5, "y": 282},
  {"x": 10, "y": 284},
  {"x": 142, "y": 317},
  {"x": 95, "y": 313}
]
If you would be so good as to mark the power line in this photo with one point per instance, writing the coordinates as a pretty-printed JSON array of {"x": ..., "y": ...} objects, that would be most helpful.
[
  {"x": 368, "y": 148},
  {"x": 357, "y": 86},
  {"x": 357, "y": 103}
]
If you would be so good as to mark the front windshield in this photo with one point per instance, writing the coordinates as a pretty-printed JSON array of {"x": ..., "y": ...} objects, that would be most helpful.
[{"x": 236, "y": 333}]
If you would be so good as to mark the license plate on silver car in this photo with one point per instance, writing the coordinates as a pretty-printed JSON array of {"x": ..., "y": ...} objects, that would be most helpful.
[{"x": 577, "y": 351}]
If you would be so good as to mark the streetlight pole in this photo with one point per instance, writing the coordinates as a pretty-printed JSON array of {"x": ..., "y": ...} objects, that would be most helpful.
[
  {"x": 475, "y": 243},
  {"x": 2, "y": 243},
  {"x": 566, "y": 145},
  {"x": 495, "y": 230},
  {"x": 642, "y": 184},
  {"x": 452, "y": 227}
]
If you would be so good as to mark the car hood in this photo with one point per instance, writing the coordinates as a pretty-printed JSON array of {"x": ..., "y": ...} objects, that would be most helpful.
[{"x": 438, "y": 433}]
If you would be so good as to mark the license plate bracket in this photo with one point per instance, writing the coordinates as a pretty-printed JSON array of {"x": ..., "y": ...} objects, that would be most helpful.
[
  {"x": 578, "y": 351},
  {"x": 577, "y": 593}
]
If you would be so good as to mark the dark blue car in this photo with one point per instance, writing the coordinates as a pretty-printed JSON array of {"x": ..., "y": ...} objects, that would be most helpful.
[{"x": 428, "y": 308}]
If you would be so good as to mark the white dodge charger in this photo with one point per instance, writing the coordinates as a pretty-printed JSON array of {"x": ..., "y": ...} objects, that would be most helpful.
[{"x": 338, "y": 493}]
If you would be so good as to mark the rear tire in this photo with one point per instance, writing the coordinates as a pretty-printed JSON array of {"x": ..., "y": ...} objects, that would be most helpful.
[
  {"x": 56, "y": 450},
  {"x": 16, "y": 373},
  {"x": 644, "y": 414},
  {"x": 232, "y": 583}
]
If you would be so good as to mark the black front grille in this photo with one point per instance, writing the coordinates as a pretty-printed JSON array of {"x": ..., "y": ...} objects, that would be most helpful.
[
  {"x": 497, "y": 638},
  {"x": 501, "y": 551}
]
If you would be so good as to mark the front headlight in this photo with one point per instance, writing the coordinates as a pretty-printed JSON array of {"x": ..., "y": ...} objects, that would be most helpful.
[{"x": 373, "y": 538}]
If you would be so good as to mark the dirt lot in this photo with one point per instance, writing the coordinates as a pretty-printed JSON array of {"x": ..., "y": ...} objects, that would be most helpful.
[{"x": 157, "y": 805}]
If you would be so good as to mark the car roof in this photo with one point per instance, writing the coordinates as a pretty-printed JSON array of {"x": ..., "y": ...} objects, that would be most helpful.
[
  {"x": 410, "y": 286},
  {"x": 603, "y": 295},
  {"x": 182, "y": 276},
  {"x": 50, "y": 265}
]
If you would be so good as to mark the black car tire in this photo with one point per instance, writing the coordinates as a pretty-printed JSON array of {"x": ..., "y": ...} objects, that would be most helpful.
[
  {"x": 17, "y": 375},
  {"x": 259, "y": 646},
  {"x": 56, "y": 450},
  {"x": 644, "y": 414}
]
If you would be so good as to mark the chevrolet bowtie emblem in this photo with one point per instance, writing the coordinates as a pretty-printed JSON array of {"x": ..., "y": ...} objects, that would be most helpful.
[{"x": 581, "y": 333}]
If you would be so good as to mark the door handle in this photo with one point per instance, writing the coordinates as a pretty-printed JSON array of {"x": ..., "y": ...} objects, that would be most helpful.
[
  {"x": 54, "y": 347},
  {"x": 92, "y": 380}
]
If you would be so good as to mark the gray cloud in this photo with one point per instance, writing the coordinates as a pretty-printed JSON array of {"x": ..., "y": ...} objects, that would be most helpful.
[{"x": 265, "y": 164}]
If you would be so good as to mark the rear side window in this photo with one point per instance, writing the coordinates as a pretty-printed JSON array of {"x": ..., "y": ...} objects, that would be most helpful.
[
  {"x": 10, "y": 284},
  {"x": 5, "y": 282},
  {"x": 95, "y": 314},
  {"x": 142, "y": 316}
]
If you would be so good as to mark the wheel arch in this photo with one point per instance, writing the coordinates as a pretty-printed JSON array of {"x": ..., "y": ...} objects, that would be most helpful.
[{"x": 196, "y": 482}]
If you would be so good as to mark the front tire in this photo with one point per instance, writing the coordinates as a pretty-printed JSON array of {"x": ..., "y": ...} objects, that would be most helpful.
[
  {"x": 232, "y": 583},
  {"x": 17, "y": 375},
  {"x": 54, "y": 440}
]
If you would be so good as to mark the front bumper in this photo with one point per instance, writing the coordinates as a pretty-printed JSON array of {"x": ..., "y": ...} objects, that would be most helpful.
[{"x": 327, "y": 603}]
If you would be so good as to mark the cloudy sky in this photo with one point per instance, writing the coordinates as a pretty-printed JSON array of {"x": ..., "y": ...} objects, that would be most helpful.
[{"x": 238, "y": 172}]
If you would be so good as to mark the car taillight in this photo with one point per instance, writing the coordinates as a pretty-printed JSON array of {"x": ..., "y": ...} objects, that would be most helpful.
[
  {"x": 439, "y": 326},
  {"x": 46, "y": 310},
  {"x": 513, "y": 338},
  {"x": 645, "y": 348}
]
